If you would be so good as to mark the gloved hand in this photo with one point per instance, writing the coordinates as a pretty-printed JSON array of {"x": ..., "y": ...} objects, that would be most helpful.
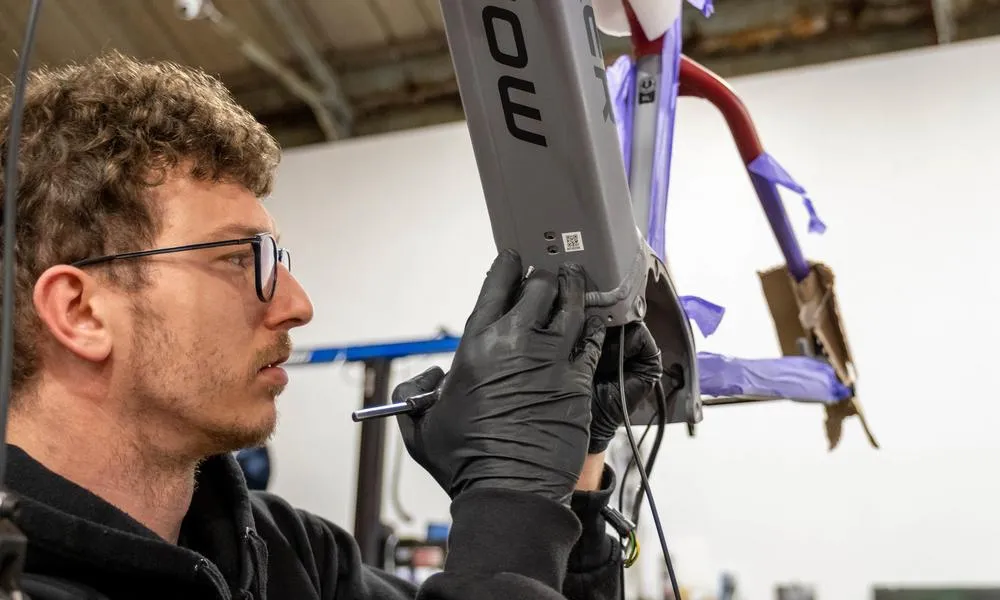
[
  {"x": 514, "y": 411},
  {"x": 643, "y": 368}
]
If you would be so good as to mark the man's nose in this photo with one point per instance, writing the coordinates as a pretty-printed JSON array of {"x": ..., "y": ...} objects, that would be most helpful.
[{"x": 290, "y": 307}]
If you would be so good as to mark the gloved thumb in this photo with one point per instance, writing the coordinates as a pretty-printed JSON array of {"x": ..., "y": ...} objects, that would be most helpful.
[
  {"x": 415, "y": 386},
  {"x": 420, "y": 384}
]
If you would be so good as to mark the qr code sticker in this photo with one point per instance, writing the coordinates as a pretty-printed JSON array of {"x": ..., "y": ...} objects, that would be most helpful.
[{"x": 572, "y": 241}]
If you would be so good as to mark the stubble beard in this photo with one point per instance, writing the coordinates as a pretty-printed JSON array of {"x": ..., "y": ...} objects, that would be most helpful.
[{"x": 178, "y": 402}]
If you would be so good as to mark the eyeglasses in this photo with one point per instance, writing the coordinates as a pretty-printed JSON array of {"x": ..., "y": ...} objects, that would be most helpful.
[{"x": 266, "y": 254}]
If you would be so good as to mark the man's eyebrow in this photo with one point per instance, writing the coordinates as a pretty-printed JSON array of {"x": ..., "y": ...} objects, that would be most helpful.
[{"x": 239, "y": 230}]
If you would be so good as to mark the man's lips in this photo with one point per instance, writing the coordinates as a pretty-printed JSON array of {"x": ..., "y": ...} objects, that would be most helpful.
[
  {"x": 273, "y": 372},
  {"x": 274, "y": 375},
  {"x": 276, "y": 362}
]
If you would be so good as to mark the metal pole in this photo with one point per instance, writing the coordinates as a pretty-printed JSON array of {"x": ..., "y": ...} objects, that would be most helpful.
[
  {"x": 332, "y": 91},
  {"x": 371, "y": 456},
  {"x": 944, "y": 20},
  {"x": 253, "y": 51}
]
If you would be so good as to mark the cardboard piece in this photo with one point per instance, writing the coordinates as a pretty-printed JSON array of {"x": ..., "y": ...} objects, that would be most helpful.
[{"x": 807, "y": 320}]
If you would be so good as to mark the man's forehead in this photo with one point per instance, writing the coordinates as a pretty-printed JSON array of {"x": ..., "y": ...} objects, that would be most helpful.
[{"x": 213, "y": 211}]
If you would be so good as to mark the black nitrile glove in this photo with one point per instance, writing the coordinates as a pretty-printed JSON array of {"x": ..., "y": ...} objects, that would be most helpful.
[
  {"x": 643, "y": 368},
  {"x": 514, "y": 411}
]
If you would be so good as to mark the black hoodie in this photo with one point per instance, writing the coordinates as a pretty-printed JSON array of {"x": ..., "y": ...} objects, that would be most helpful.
[{"x": 243, "y": 545}]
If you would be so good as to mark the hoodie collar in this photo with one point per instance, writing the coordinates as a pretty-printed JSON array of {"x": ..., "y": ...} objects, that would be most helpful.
[{"x": 68, "y": 520}]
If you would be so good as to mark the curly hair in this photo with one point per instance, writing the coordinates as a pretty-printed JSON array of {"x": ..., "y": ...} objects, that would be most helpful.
[{"x": 96, "y": 138}]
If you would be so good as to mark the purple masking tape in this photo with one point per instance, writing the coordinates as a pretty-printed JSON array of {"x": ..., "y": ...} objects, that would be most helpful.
[
  {"x": 706, "y": 315},
  {"x": 705, "y": 6},
  {"x": 621, "y": 78},
  {"x": 621, "y": 85},
  {"x": 791, "y": 377},
  {"x": 767, "y": 167},
  {"x": 670, "y": 62},
  {"x": 777, "y": 217}
]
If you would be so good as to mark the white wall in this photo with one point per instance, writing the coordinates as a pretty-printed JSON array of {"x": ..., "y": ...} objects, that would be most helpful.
[{"x": 900, "y": 154}]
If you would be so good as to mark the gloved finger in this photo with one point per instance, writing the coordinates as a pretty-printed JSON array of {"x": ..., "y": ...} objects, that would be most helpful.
[
  {"x": 606, "y": 415},
  {"x": 407, "y": 429},
  {"x": 537, "y": 297},
  {"x": 570, "y": 315},
  {"x": 423, "y": 383},
  {"x": 642, "y": 356},
  {"x": 423, "y": 402},
  {"x": 591, "y": 343},
  {"x": 608, "y": 397},
  {"x": 639, "y": 342},
  {"x": 498, "y": 291},
  {"x": 638, "y": 389}
]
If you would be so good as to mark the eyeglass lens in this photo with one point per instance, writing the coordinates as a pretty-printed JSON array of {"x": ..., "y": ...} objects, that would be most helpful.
[
  {"x": 270, "y": 256},
  {"x": 268, "y": 264}
]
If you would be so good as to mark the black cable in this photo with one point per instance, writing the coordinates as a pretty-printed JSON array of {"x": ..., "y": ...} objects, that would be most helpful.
[
  {"x": 641, "y": 469},
  {"x": 10, "y": 230},
  {"x": 621, "y": 502},
  {"x": 631, "y": 462},
  {"x": 661, "y": 416}
]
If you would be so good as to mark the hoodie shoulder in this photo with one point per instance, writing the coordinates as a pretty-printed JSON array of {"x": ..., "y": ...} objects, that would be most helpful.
[{"x": 329, "y": 556}]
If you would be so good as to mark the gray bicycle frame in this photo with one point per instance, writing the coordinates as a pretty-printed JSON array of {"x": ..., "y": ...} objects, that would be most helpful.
[{"x": 532, "y": 81}]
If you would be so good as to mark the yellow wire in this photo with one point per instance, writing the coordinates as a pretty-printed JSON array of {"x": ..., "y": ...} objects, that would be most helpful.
[{"x": 634, "y": 554}]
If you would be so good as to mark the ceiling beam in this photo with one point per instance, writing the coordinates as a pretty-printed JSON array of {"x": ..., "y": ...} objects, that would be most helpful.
[
  {"x": 413, "y": 83},
  {"x": 256, "y": 54},
  {"x": 322, "y": 73},
  {"x": 945, "y": 24},
  {"x": 837, "y": 44}
]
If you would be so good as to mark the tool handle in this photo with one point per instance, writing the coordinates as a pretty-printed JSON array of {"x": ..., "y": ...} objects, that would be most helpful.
[
  {"x": 385, "y": 410},
  {"x": 413, "y": 405}
]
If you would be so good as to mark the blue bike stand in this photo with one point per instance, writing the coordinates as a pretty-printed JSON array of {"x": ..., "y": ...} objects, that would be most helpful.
[{"x": 377, "y": 359}]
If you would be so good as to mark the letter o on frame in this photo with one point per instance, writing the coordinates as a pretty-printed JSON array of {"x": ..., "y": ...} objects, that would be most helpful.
[{"x": 494, "y": 13}]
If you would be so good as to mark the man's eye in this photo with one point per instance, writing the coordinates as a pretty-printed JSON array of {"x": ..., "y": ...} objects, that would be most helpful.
[{"x": 242, "y": 260}]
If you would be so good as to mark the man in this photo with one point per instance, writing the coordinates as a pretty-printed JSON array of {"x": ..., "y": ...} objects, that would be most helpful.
[{"x": 154, "y": 307}]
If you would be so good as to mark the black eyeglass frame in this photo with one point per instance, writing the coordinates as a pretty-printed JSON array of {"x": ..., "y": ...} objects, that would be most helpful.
[{"x": 281, "y": 256}]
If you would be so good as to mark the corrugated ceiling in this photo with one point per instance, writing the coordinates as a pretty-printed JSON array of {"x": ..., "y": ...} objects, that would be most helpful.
[{"x": 381, "y": 65}]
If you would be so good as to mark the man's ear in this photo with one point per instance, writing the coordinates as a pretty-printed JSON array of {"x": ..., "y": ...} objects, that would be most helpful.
[{"x": 70, "y": 304}]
